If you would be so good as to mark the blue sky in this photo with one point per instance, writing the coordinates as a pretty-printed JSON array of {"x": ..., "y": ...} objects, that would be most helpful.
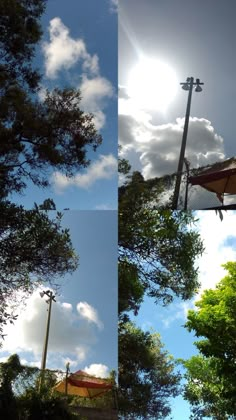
[
  {"x": 220, "y": 246},
  {"x": 79, "y": 49},
  {"x": 186, "y": 41},
  {"x": 84, "y": 318}
]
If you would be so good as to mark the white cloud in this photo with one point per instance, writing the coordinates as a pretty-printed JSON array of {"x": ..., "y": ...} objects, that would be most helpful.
[
  {"x": 94, "y": 92},
  {"x": 95, "y": 89},
  {"x": 154, "y": 149},
  {"x": 97, "y": 369},
  {"x": 89, "y": 313},
  {"x": 62, "y": 51},
  {"x": 158, "y": 146},
  {"x": 73, "y": 363},
  {"x": 105, "y": 167},
  {"x": 218, "y": 251},
  {"x": 70, "y": 333},
  {"x": 67, "y": 306}
]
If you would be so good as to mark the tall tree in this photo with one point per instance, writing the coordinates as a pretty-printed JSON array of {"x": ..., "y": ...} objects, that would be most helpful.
[
  {"x": 35, "y": 136},
  {"x": 157, "y": 251},
  {"x": 146, "y": 375},
  {"x": 33, "y": 248},
  {"x": 212, "y": 376}
]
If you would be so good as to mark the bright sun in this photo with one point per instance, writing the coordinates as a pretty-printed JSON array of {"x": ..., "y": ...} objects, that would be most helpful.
[{"x": 152, "y": 84}]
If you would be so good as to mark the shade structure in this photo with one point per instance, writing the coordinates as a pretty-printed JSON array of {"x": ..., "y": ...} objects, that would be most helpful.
[
  {"x": 83, "y": 385},
  {"x": 220, "y": 178}
]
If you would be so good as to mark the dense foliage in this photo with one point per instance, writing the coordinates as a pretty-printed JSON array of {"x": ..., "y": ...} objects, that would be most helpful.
[
  {"x": 20, "y": 31},
  {"x": 157, "y": 252},
  {"x": 146, "y": 374},
  {"x": 212, "y": 375},
  {"x": 160, "y": 245},
  {"x": 35, "y": 135},
  {"x": 20, "y": 397}
]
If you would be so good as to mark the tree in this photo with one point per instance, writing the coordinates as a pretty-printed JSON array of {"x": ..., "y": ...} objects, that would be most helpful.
[
  {"x": 33, "y": 248},
  {"x": 8, "y": 373},
  {"x": 209, "y": 393},
  {"x": 20, "y": 398},
  {"x": 157, "y": 250},
  {"x": 20, "y": 31},
  {"x": 161, "y": 244},
  {"x": 35, "y": 136},
  {"x": 212, "y": 375},
  {"x": 146, "y": 374}
]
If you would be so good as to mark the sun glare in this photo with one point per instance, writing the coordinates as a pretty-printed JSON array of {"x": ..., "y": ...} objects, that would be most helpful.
[{"x": 152, "y": 84}]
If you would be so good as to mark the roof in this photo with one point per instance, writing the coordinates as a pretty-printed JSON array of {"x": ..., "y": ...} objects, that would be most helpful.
[{"x": 219, "y": 178}]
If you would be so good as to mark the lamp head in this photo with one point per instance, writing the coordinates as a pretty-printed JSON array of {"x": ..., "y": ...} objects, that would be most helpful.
[
  {"x": 41, "y": 294},
  {"x": 198, "y": 88},
  {"x": 185, "y": 86}
]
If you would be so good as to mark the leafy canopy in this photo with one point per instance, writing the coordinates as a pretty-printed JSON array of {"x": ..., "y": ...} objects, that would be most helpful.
[
  {"x": 146, "y": 374},
  {"x": 157, "y": 251},
  {"x": 36, "y": 136},
  {"x": 159, "y": 246},
  {"x": 212, "y": 375}
]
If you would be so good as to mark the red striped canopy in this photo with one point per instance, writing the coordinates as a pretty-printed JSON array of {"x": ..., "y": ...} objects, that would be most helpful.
[
  {"x": 219, "y": 178},
  {"x": 84, "y": 385}
]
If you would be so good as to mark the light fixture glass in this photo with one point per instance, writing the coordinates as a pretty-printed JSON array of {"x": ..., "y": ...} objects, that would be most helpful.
[{"x": 185, "y": 86}]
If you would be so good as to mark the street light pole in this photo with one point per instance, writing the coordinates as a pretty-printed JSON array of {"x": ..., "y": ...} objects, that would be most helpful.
[
  {"x": 51, "y": 298},
  {"x": 188, "y": 85}
]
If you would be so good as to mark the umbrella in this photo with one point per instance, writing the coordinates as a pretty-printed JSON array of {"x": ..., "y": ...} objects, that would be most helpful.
[
  {"x": 84, "y": 385},
  {"x": 219, "y": 178}
]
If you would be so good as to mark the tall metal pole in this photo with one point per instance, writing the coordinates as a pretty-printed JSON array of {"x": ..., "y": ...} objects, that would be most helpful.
[
  {"x": 183, "y": 146},
  {"x": 44, "y": 356},
  {"x": 187, "y": 184},
  {"x": 43, "y": 364}
]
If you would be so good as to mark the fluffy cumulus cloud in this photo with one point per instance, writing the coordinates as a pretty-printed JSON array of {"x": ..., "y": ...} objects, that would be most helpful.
[
  {"x": 158, "y": 146},
  {"x": 87, "y": 312},
  {"x": 62, "y": 51},
  {"x": 71, "y": 332},
  {"x": 105, "y": 167},
  {"x": 154, "y": 149},
  {"x": 94, "y": 92},
  {"x": 98, "y": 370}
]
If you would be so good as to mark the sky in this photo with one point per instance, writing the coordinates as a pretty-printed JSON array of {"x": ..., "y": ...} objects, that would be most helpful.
[
  {"x": 219, "y": 240},
  {"x": 161, "y": 43},
  {"x": 83, "y": 327},
  {"x": 79, "y": 49}
]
